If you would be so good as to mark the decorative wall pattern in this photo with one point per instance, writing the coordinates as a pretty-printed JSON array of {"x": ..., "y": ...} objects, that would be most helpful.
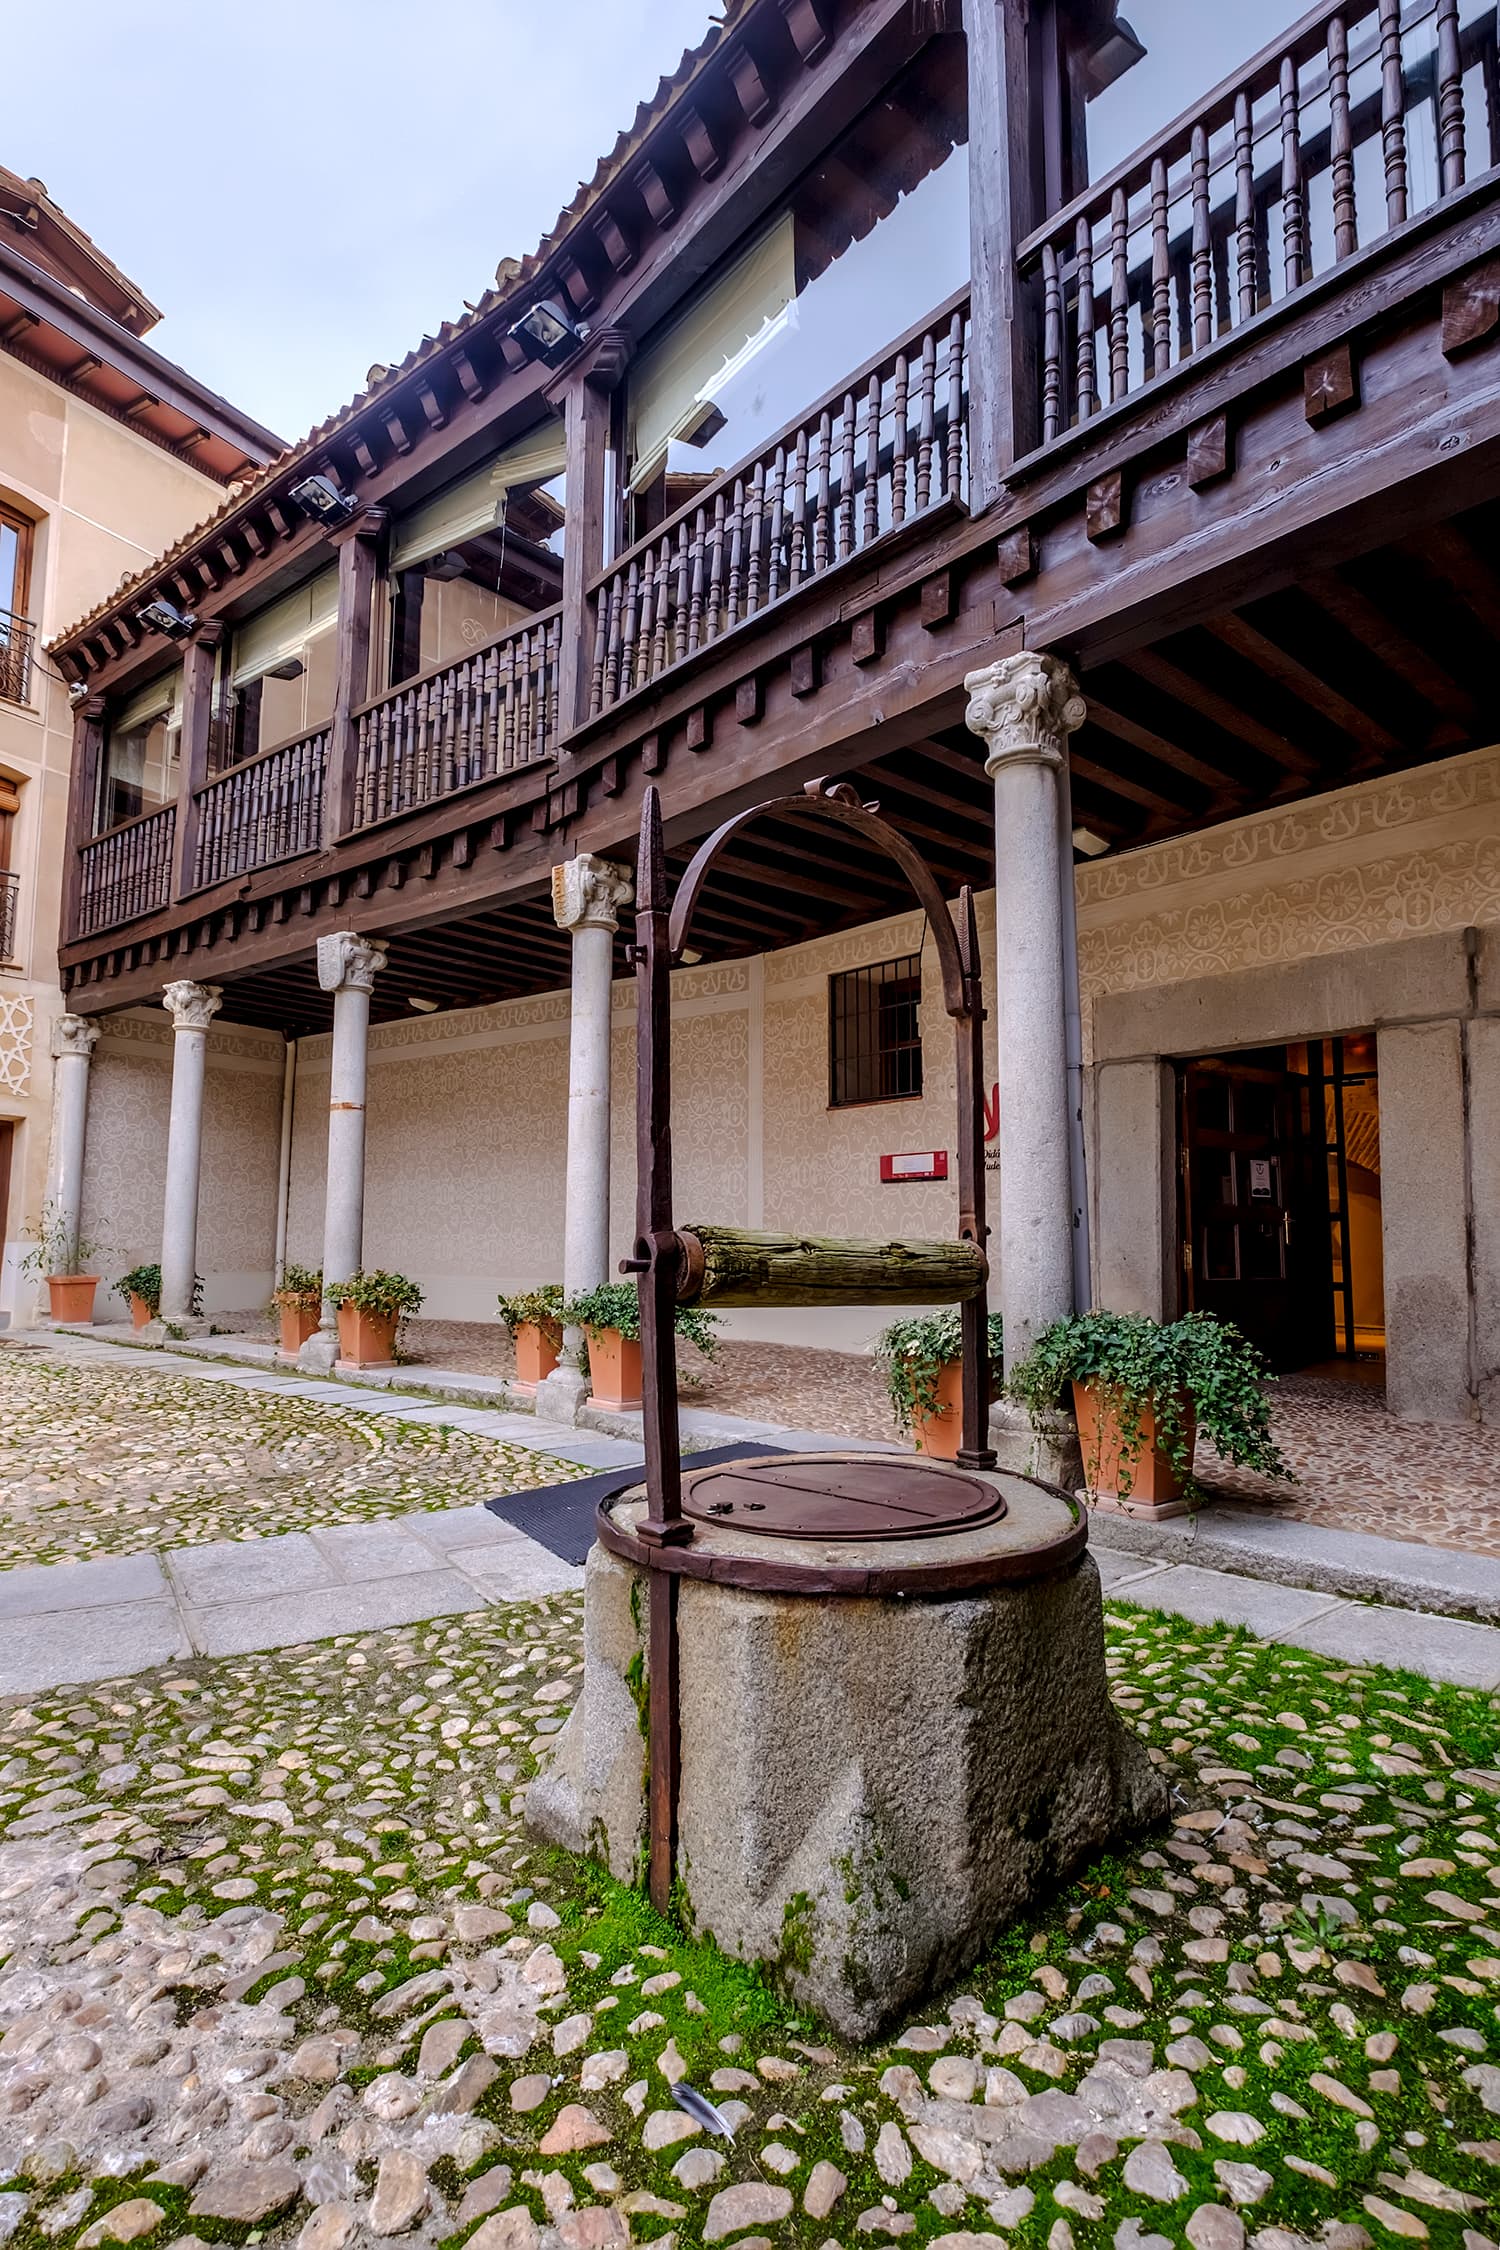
[{"x": 17, "y": 1021}]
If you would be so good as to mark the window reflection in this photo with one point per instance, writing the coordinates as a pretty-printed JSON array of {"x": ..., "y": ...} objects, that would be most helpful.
[{"x": 141, "y": 766}]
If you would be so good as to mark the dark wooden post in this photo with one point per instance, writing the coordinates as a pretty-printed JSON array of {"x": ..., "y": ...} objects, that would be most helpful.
[
  {"x": 358, "y": 544},
  {"x": 1004, "y": 197},
  {"x": 83, "y": 798},
  {"x": 586, "y": 403},
  {"x": 199, "y": 672}
]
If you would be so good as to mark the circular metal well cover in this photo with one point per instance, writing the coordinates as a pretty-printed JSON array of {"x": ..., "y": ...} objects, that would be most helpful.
[{"x": 851, "y": 1498}]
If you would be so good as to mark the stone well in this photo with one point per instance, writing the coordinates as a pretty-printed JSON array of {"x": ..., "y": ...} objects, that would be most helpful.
[{"x": 878, "y": 1771}]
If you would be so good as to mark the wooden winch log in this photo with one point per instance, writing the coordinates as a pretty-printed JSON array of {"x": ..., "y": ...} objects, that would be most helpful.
[{"x": 735, "y": 1266}]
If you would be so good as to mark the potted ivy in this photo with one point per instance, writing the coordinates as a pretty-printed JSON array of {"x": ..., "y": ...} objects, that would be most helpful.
[
  {"x": 610, "y": 1317},
  {"x": 142, "y": 1286},
  {"x": 60, "y": 1255},
  {"x": 534, "y": 1318},
  {"x": 922, "y": 1360},
  {"x": 371, "y": 1308},
  {"x": 1141, "y": 1392},
  {"x": 298, "y": 1298}
]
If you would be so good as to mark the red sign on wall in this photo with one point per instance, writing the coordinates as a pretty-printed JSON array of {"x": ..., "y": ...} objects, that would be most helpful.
[{"x": 916, "y": 1164}]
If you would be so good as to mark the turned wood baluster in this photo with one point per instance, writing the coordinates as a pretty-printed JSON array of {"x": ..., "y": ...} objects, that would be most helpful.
[
  {"x": 1341, "y": 142},
  {"x": 755, "y": 532},
  {"x": 630, "y": 628},
  {"x": 797, "y": 562},
  {"x": 596, "y": 683},
  {"x": 873, "y": 399},
  {"x": 1293, "y": 193},
  {"x": 1052, "y": 345},
  {"x": 900, "y": 407},
  {"x": 661, "y": 572},
  {"x": 681, "y": 590},
  {"x": 1087, "y": 379},
  {"x": 505, "y": 673},
  {"x": 846, "y": 476},
  {"x": 1119, "y": 294},
  {"x": 1203, "y": 273},
  {"x": 717, "y": 569},
  {"x": 736, "y": 554},
  {"x": 1450, "y": 97},
  {"x": 646, "y": 629},
  {"x": 1392, "y": 112},
  {"x": 695, "y": 596},
  {"x": 925, "y": 421},
  {"x": 1244, "y": 208},
  {"x": 822, "y": 492},
  {"x": 1161, "y": 272},
  {"x": 776, "y": 501},
  {"x": 953, "y": 439},
  {"x": 615, "y": 597}
]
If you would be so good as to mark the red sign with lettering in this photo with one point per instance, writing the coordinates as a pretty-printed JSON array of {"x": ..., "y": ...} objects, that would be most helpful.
[{"x": 916, "y": 1164}]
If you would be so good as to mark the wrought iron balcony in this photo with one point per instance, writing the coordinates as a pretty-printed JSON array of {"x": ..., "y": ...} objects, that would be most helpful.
[
  {"x": 17, "y": 639},
  {"x": 9, "y": 899}
]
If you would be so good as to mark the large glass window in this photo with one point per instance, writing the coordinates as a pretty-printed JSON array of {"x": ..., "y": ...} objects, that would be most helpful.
[
  {"x": 479, "y": 556},
  {"x": 141, "y": 767},
  {"x": 279, "y": 681},
  {"x": 876, "y": 235}
]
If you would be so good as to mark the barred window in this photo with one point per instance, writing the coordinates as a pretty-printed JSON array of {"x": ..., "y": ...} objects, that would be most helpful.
[{"x": 874, "y": 1032}]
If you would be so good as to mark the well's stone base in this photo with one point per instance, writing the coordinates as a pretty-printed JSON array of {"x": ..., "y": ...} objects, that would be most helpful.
[
  {"x": 1047, "y": 1448},
  {"x": 871, "y": 1788}
]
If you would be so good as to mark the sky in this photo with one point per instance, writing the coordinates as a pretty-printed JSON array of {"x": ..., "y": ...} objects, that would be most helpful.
[{"x": 306, "y": 187}]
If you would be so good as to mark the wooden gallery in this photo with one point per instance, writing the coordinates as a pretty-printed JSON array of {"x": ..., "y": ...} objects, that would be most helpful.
[{"x": 1098, "y": 472}]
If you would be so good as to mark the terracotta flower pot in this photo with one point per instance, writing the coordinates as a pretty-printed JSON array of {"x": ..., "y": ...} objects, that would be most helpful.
[
  {"x": 140, "y": 1311},
  {"x": 614, "y": 1369},
  {"x": 1155, "y": 1487},
  {"x": 538, "y": 1348},
  {"x": 366, "y": 1339},
  {"x": 72, "y": 1297},
  {"x": 939, "y": 1435},
  {"x": 297, "y": 1324}
]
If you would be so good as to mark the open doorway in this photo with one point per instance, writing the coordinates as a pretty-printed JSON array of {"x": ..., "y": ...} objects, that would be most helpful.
[{"x": 1279, "y": 1200}]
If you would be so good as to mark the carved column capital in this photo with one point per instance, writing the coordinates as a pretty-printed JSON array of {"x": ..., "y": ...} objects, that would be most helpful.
[
  {"x": 348, "y": 962},
  {"x": 192, "y": 1007},
  {"x": 587, "y": 893},
  {"x": 73, "y": 1035},
  {"x": 1023, "y": 708}
]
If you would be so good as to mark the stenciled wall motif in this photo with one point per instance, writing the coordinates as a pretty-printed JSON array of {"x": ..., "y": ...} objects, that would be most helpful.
[{"x": 17, "y": 1021}]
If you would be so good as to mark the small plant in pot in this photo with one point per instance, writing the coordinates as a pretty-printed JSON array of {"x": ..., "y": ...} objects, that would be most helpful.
[
  {"x": 298, "y": 1299},
  {"x": 534, "y": 1318},
  {"x": 610, "y": 1317},
  {"x": 922, "y": 1360},
  {"x": 61, "y": 1255},
  {"x": 371, "y": 1309},
  {"x": 142, "y": 1286},
  {"x": 1142, "y": 1391}
]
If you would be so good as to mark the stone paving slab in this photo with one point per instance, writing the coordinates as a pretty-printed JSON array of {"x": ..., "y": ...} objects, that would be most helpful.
[
  {"x": 284, "y": 1620},
  {"x": 237, "y": 1570},
  {"x": 89, "y": 1644},
  {"x": 1211, "y": 1597},
  {"x": 516, "y": 1569},
  {"x": 36, "y": 1589},
  {"x": 1443, "y": 1648},
  {"x": 360, "y": 1551}
]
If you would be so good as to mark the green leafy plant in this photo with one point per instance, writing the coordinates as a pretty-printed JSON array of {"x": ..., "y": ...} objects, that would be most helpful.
[
  {"x": 912, "y": 1354},
  {"x": 1197, "y": 1366},
  {"x": 384, "y": 1296},
  {"x": 58, "y": 1252},
  {"x": 541, "y": 1307},
  {"x": 143, "y": 1282},
  {"x": 299, "y": 1290},
  {"x": 616, "y": 1304}
]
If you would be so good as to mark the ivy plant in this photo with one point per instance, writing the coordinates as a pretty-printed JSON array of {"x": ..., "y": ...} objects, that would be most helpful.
[
  {"x": 384, "y": 1296},
  {"x": 300, "y": 1289},
  {"x": 912, "y": 1354},
  {"x": 1198, "y": 1366},
  {"x": 616, "y": 1304},
  {"x": 145, "y": 1282},
  {"x": 541, "y": 1307}
]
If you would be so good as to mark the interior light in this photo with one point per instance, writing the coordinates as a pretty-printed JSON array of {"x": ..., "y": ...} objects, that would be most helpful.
[
  {"x": 546, "y": 333},
  {"x": 423, "y": 1007},
  {"x": 1085, "y": 841},
  {"x": 320, "y": 498},
  {"x": 163, "y": 617}
]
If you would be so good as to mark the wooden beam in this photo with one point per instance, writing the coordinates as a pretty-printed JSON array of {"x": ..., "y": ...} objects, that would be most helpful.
[
  {"x": 1003, "y": 358},
  {"x": 1156, "y": 746},
  {"x": 1275, "y": 663},
  {"x": 1446, "y": 551},
  {"x": 1377, "y": 633},
  {"x": 1159, "y": 672},
  {"x": 1098, "y": 776}
]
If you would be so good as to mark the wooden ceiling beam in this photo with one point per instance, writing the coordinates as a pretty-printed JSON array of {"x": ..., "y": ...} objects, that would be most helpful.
[
  {"x": 1154, "y": 745},
  {"x": 1170, "y": 679},
  {"x": 1097, "y": 776},
  {"x": 1446, "y": 551},
  {"x": 1366, "y": 622},
  {"x": 1275, "y": 663}
]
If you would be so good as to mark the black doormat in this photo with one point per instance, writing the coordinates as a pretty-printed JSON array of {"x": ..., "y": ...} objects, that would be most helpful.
[{"x": 560, "y": 1517}]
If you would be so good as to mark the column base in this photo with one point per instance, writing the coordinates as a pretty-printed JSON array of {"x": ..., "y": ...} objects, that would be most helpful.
[
  {"x": 1048, "y": 1449},
  {"x": 168, "y": 1331},
  {"x": 559, "y": 1395},
  {"x": 319, "y": 1353}
]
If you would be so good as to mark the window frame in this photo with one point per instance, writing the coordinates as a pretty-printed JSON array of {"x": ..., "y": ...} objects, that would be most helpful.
[
  {"x": 24, "y": 527},
  {"x": 871, "y": 980}
]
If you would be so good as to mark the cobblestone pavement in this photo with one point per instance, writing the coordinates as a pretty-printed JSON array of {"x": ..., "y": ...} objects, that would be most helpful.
[
  {"x": 99, "y": 1461},
  {"x": 280, "y": 1965}
]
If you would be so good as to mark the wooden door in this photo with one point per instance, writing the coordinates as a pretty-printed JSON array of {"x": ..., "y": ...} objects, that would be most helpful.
[{"x": 1254, "y": 1209}]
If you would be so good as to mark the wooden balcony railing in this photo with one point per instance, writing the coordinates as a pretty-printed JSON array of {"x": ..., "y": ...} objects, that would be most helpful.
[
  {"x": 889, "y": 443},
  {"x": 126, "y": 872},
  {"x": 17, "y": 640},
  {"x": 483, "y": 715},
  {"x": 268, "y": 809},
  {"x": 1364, "y": 115}
]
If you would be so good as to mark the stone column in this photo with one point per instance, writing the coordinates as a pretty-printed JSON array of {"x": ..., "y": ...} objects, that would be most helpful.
[
  {"x": 587, "y": 894},
  {"x": 1023, "y": 709},
  {"x": 73, "y": 1042},
  {"x": 346, "y": 967},
  {"x": 192, "y": 1008}
]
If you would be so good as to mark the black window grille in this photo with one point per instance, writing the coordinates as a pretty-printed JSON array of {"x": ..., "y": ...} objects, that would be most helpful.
[{"x": 875, "y": 1033}]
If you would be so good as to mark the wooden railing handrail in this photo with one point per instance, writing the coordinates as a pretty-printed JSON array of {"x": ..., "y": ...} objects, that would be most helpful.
[
  {"x": 122, "y": 827},
  {"x": 258, "y": 757},
  {"x": 539, "y": 617},
  {"x": 831, "y": 398},
  {"x": 1301, "y": 41}
]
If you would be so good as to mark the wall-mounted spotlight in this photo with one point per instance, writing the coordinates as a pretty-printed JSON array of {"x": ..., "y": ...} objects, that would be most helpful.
[
  {"x": 422, "y": 1007},
  {"x": 1091, "y": 845},
  {"x": 320, "y": 498},
  {"x": 163, "y": 617},
  {"x": 546, "y": 333},
  {"x": 78, "y": 692}
]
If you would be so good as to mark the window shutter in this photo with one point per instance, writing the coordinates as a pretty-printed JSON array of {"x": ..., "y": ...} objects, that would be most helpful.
[
  {"x": 476, "y": 503},
  {"x": 284, "y": 629}
]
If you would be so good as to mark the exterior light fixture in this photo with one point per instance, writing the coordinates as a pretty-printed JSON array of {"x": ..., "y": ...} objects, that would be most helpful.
[
  {"x": 320, "y": 498},
  {"x": 422, "y": 1007},
  {"x": 163, "y": 617},
  {"x": 1090, "y": 844},
  {"x": 546, "y": 333},
  {"x": 78, "y": 692}
]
